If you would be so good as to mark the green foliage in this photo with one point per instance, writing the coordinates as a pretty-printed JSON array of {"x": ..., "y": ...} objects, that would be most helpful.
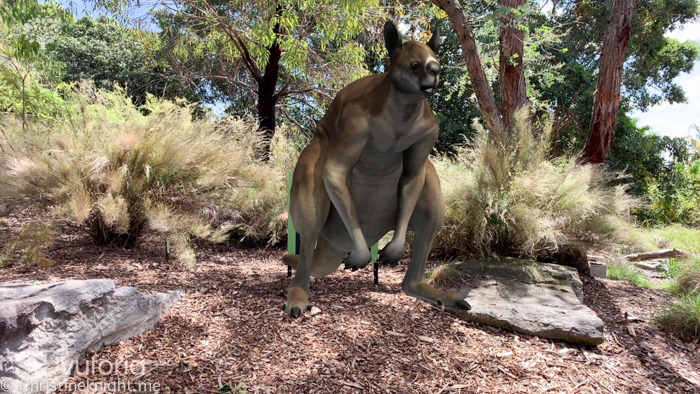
[
  {"x": 116, "y": 172},
  {"x": 27, "y": 74},
  {"x": 452, "y": 105},
  {"x": 662, "y": 170},
  {"x": 29, "y": 244},
  {"x": 682, "y": 317},
  {"x": 674, "y": 268},
  {"x": 653, "y": 62},
  {"x": 619, "y": 270},
  {"x": 317, "y": 38},
  {"x": 676, "y": 197},
  {"x": 106, "y": 52},
  {"x": 688, "y": 278},
  {"x": 238, "y": 389},
  {"x": 516, "y": 201},
  {"x": 653, "y": 59},
  {"x": 675, "y": 237}
]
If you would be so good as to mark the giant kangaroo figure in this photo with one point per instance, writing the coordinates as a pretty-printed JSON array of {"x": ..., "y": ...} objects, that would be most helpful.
[{"x": 366, "y": 172}]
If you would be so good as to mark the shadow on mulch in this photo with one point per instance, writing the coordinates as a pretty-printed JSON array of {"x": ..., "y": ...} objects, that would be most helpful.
[{"x": 616, "y": 325}]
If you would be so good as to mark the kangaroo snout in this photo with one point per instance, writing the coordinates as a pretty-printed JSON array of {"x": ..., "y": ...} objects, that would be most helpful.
[{"x": 433, "y": 68}]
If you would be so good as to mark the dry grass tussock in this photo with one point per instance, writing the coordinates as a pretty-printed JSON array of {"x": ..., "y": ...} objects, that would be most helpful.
[
  {"x": 117, "y": 171},
  {"x": 515, "y": 200},
  {"x": 28, "y": 245}
]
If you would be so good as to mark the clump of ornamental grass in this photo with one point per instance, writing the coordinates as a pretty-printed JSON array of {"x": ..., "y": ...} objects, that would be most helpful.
[
  {"x": 27, "y": 246},
  {"x": 445, "y": 275},
  {"x": 513, "y": 199},
  {"x": 688, "y": 278},
  {"x": 116, "y": 172},
  {"x": 682, "y": 317}
]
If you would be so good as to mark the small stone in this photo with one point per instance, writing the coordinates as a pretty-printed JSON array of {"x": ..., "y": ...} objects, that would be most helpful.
[
  {"x": 633, "y": 319},
  {"x": 314, "y": 311}
]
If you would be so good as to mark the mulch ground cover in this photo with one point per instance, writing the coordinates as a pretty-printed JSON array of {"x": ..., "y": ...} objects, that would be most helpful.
[{"x": 228, "y": 328}]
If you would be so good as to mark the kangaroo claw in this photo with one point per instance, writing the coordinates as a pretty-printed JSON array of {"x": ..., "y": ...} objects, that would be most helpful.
[{"x": 463, "y": 305}]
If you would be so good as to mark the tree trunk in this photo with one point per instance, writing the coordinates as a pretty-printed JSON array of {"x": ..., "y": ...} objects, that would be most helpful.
[
  {"x": 482, "y": 90},
  {"x": 511, "y": 74},
  {"x": 606, "y": 104},
  {"x": 267, "y": 98}
]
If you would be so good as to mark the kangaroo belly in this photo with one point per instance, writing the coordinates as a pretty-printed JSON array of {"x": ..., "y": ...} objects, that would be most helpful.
[{"x": 375, "y": 183}]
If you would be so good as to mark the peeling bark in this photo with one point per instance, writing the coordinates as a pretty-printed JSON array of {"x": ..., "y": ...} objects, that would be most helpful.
[
  {"x": 475, "y": 69},
  {"x": 606, "y": 104},
  {"x": 511, "y": 73}
]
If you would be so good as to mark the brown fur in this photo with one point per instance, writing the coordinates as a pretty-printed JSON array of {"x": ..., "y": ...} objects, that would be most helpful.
[{"x": 366, "y": 172}]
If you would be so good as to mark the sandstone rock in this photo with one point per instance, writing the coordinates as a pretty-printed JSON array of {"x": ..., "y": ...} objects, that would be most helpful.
[
  {"x": 552, "y": 275},
  {"x": 46, "y": 329},
  {"x": 531, "y": 298}
]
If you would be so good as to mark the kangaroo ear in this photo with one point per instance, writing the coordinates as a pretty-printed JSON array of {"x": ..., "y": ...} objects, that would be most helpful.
[
  {"x": 392, "y": 37},
  {"x": 434, "y": 42}
]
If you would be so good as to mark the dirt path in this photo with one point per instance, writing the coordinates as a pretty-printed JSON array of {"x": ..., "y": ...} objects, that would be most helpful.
[{"x": 229, "y": 328}]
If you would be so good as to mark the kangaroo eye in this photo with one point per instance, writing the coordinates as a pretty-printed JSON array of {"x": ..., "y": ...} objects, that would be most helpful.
[{"x": 414, "y": 65}]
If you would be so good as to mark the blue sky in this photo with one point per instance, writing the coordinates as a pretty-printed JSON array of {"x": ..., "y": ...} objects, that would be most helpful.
[{"x": 675, "y": 120}]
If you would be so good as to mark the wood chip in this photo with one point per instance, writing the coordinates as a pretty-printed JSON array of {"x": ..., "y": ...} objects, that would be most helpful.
[
  {"x": 236, "y": 330},
  {"x": 396, "y": 334},
  {"x": 350, "y": 384}
]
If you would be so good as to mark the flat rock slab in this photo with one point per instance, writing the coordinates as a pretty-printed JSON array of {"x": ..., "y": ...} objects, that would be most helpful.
[
  {"x": 46, "y": 329},
  {"x": 532, "y": 298}
]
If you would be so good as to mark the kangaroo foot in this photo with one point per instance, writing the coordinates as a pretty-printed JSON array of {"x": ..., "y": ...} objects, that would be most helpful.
[
  {"x": 392, "y": 252},
  {"x": 297, "y": 302},
  {"x": 358, "y": 259},
  {"x": 440, "y": 298}
]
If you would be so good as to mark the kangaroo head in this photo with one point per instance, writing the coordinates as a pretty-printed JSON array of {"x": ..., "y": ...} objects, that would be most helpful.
[{"x": 414, "y": 67}]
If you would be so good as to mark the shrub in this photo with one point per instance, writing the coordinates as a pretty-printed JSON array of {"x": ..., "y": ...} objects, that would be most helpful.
[
  {"x": 514, "y": 200},
  {"x": 676, "y": 197},
  {"x": 117, "y": 171},
  {"x": 682, "y": 317}
]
